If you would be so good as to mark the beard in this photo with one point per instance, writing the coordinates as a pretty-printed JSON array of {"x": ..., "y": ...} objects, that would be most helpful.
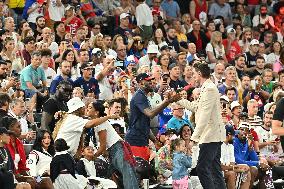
[
  {"x": 263, "y": 14},
  {"x": 3, "y": 76},
  {"x": 231, "y": 141}
]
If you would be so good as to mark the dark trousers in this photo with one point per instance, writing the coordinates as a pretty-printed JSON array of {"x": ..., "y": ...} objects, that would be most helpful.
[{"x": 209, "y": 166}]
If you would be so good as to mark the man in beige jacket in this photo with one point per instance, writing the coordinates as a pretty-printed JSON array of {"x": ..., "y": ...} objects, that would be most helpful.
[{"x": 209, "y": 131}]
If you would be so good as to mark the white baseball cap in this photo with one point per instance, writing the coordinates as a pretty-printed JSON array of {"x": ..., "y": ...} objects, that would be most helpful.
[
  {"x": 244, "y": 125},
  {"x": 224, "y": 97},
  {"x": 123, "y": 15},
  {"x": 254, "y": 42},
  {"x": 235, "y": 104},
  {"x": 74, "y": 104}
]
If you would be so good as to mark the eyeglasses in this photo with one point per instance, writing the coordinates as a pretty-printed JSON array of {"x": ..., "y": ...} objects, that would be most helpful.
[{"x": 97, "y": 28}]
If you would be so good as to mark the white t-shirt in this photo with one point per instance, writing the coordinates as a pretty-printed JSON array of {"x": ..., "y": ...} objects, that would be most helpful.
[
  {"x": 89, "y": 167},
  {"x": 106, "y": 92},
  {"x": 257, "y": 19},
  {"x": 22, "y": 120},
  {"x": 272, "y": 58},
  {"x": 33, "y": 15},
  {"x": 227, "y": 154},
  {"x": 50, "y": 75},
  {"x": 143, "y": 11},
  {"x": 55, "y": 12},
  {"x": 71, "y": 131},
  {"x": 144, "y": 60},
  {"x": 111, "y": 138}
]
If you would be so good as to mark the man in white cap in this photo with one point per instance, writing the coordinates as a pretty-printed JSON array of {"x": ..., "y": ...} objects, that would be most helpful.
[
  {"x": 232, "y": 47},
  {"x": 73, "y": 124},
  {"x": 251, "y": 55},
  {"x": 71, "y": 21},
  {"x": 123, "y": 28},
  {"x": 149, "y": 59}
]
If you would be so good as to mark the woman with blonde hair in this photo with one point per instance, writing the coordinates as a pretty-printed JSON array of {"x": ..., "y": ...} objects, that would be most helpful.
[
  {"x": 117, "y": 39},
  {"x": 215, "y": 49},
  {"x": 245, "y": 39},
  {"x": 98, "y": 42}
]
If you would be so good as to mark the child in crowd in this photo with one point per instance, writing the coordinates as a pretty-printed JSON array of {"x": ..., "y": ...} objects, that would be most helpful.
[
  {"x": 62, "y": 169},
  {"x": 86, "y": 165},
  {"x": 181, "y": 162}
]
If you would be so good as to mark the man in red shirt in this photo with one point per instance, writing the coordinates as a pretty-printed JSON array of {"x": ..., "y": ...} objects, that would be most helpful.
[
  {"x": 231, "y": 45},
  {"x": 71, "y": 21}
]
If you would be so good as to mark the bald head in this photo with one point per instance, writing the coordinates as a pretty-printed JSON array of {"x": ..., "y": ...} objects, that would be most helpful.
[{"x": 192, "y": 48}]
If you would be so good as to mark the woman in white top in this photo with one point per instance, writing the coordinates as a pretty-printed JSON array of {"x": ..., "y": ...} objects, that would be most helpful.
[
  {"x": 119, "y": 151},
  {"x": 215, "y": 48},
  {"x": 41, "y": 155},
  {"x": 274, "y": 56}
]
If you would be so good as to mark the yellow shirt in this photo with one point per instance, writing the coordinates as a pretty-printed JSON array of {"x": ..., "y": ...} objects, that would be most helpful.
[
  {"x": 181, "y": 37},
  {"x": 16, "y": 4}
]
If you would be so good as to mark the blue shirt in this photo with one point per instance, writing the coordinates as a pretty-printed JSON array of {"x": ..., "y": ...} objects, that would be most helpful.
[
  {"x": 139, "y": 123},
  {"x": 29, "y": 74},
  {"x": 175, "y": 123},
  {"x": 171, "y": 8},
  {"x": 92, "y": 85},
  {"x": 181, "y": 163},
  {"x": 243, "y": 155},
  {"x": 55, "y": 83}
]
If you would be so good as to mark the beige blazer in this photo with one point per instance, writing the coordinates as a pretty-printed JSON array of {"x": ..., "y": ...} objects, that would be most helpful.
[{"x": 209, "y": 126}]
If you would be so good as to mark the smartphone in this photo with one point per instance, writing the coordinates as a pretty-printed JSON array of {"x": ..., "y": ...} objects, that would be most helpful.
[
  {"x": 118, "y": 64},
  {"x": 127, "y": 82},
  {"x": 253, "y": 84}
]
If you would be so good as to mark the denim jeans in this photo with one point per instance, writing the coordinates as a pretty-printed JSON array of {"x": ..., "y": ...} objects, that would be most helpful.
[{"x": 116, "y": 155}]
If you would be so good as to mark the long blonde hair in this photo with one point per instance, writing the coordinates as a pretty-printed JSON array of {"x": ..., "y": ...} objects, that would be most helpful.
[{"x": 213, "y": 40}]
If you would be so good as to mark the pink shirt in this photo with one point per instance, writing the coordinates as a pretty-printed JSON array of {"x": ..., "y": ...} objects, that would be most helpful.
[{"x": 277, "y": 66}]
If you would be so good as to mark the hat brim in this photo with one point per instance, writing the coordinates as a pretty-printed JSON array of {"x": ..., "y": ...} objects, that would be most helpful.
[{"x": 73, "y": 110}]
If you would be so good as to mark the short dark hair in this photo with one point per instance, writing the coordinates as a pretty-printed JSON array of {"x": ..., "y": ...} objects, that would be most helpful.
[
  {"x": 203, "y": 68},
  {"x": 28, "y": 39},
  {"x": 230, "y": 89},
  {"x": 239, "y": 56},
  {"x": 45, "y": 52},
  {"x": 281, "y": 72},
  {"x": 260, "y": 57},
  {"x": 4, "y": 62},
  {"x": 35, "y": 53},
  {"x": 112, "y": 101},
  {"x": 37, "y": 18},
  {"x": 60, "y": 145},
  {"x": 4, "y": 98},
  {"x": 56, "y": 24}
]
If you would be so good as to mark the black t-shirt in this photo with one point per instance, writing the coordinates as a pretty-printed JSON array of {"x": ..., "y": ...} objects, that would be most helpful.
[
  {"x": 279, "y": 111},
  {"x": 240, "y": 73},
  {"x": 253, "y": 73},
  {"x": 177, "y": 84},
  {"x": 51, "y": 106},
  {"x": 250, "y": 59}
]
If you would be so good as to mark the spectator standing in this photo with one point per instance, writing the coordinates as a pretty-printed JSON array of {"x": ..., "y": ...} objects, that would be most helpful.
[
  {"x": 181, "y": 162},
  {"x": 196, "y": 7},
  {"x": 139, "y": 133},
  {"x": 221, "y": 8},
  {"x": 171, "y": 9},
  {"x": 56, "y": 103},
  {"x": 145, "y": 25},
  {"x": 207, "y": 115},
  {"x": 71, "y": 21}
]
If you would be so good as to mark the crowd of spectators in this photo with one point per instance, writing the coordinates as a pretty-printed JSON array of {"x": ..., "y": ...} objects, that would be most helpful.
[{"x": 90, "y": 91}]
